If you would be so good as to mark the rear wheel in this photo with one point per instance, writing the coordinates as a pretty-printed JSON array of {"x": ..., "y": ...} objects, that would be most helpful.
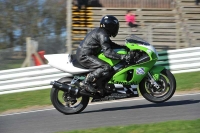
[
  {"x": 66, "y": 103},
  {"x": 167, "y": 88}
]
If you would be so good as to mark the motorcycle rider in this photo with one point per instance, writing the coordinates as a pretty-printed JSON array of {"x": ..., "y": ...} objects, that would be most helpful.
[{"x": 96, "y": 41}]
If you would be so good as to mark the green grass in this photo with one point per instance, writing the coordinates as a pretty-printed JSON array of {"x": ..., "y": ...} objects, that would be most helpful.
[
  {"x": 185, "y": 82},
  {"x": 187, "y": 126},
  {"x": 188, "y": 81},
  {"x": 24, "y": 99}
]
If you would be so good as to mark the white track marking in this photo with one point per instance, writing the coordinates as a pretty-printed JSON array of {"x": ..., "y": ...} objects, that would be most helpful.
[{"x": 106, "y": 102}]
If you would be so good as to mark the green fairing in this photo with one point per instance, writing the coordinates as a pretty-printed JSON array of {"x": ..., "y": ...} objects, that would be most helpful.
[
  {"x": 121, "y": 76},
  {"x": 155, "y": 71}
]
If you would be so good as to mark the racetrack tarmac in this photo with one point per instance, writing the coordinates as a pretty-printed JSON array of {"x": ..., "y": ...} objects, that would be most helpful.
[{"x": 121, "y": 112}]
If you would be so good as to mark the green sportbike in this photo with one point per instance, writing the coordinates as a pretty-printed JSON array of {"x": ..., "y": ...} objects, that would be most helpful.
[{"x": 141, "y": 74}]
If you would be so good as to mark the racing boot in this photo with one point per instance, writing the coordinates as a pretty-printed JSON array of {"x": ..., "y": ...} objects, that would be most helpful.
[{"x": 86, "y": 84}]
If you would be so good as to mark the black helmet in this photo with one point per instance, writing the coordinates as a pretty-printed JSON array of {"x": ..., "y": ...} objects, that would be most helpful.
[{"x": 111, "y": 24}]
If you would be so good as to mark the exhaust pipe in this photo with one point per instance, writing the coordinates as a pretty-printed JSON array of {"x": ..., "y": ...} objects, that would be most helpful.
[
  {"x": 69, "y": 89},
  {"x": 64, "y": 87}
]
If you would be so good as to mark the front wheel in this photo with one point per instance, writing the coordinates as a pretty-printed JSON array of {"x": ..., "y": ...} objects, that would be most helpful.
[
  {"x": 167, "y": 88},
  {"x": 66, "y": 103}
]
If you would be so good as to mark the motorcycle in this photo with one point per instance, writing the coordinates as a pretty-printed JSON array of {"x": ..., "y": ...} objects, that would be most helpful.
[{"x": 141, "y": 74}]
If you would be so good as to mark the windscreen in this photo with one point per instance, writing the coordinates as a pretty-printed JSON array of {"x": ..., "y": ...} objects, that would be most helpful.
[{"x": 135, "y": 39}]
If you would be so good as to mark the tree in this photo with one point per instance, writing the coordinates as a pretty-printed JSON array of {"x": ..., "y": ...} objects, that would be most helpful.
[{"x": 28, "y": 18}]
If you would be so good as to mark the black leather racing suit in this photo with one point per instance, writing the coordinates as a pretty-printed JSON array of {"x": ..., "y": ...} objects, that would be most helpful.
[{"x": 86, "y": 54}]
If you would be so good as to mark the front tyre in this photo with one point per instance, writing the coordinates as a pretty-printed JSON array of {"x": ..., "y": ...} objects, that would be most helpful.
[
  {"x": 66, "y": 103},
  {"x": 167, "y": 88}
]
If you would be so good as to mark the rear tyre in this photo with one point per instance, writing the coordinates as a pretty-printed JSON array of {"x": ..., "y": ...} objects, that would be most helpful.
[
  {"x": 167, "y": 88},
  {"x": 65, "y": 103}
]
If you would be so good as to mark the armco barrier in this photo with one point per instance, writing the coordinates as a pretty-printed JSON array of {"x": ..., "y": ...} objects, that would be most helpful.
[
  {"x": 28, "y": 79},
  {"x": 39, "y": 77},
  {"x": 181, "y": 60}
]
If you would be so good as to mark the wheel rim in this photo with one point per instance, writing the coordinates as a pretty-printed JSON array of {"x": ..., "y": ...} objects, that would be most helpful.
[
  {"x": 164, "y": 84},
  {"x": 67, "y": 101}
]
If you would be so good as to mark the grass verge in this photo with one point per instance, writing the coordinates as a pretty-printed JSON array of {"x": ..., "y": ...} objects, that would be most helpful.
[
  {"x": 188, "y": 81},
  {"x": 187, "y": 126},
  {"x": 185, "y": 82},
  {"x": 24, "y": 100}
]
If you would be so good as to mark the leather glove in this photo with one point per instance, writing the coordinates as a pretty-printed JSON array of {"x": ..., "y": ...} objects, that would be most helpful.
[{"x": 126, "y": 57}]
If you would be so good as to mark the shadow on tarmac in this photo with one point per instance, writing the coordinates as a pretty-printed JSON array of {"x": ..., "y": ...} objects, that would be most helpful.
[{"x": 165, "y": 104}]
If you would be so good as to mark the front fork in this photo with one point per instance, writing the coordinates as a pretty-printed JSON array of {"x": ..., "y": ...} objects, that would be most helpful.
[
  {"x": 153, "y": 82},
  {"x": 154, "y": 75}
]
